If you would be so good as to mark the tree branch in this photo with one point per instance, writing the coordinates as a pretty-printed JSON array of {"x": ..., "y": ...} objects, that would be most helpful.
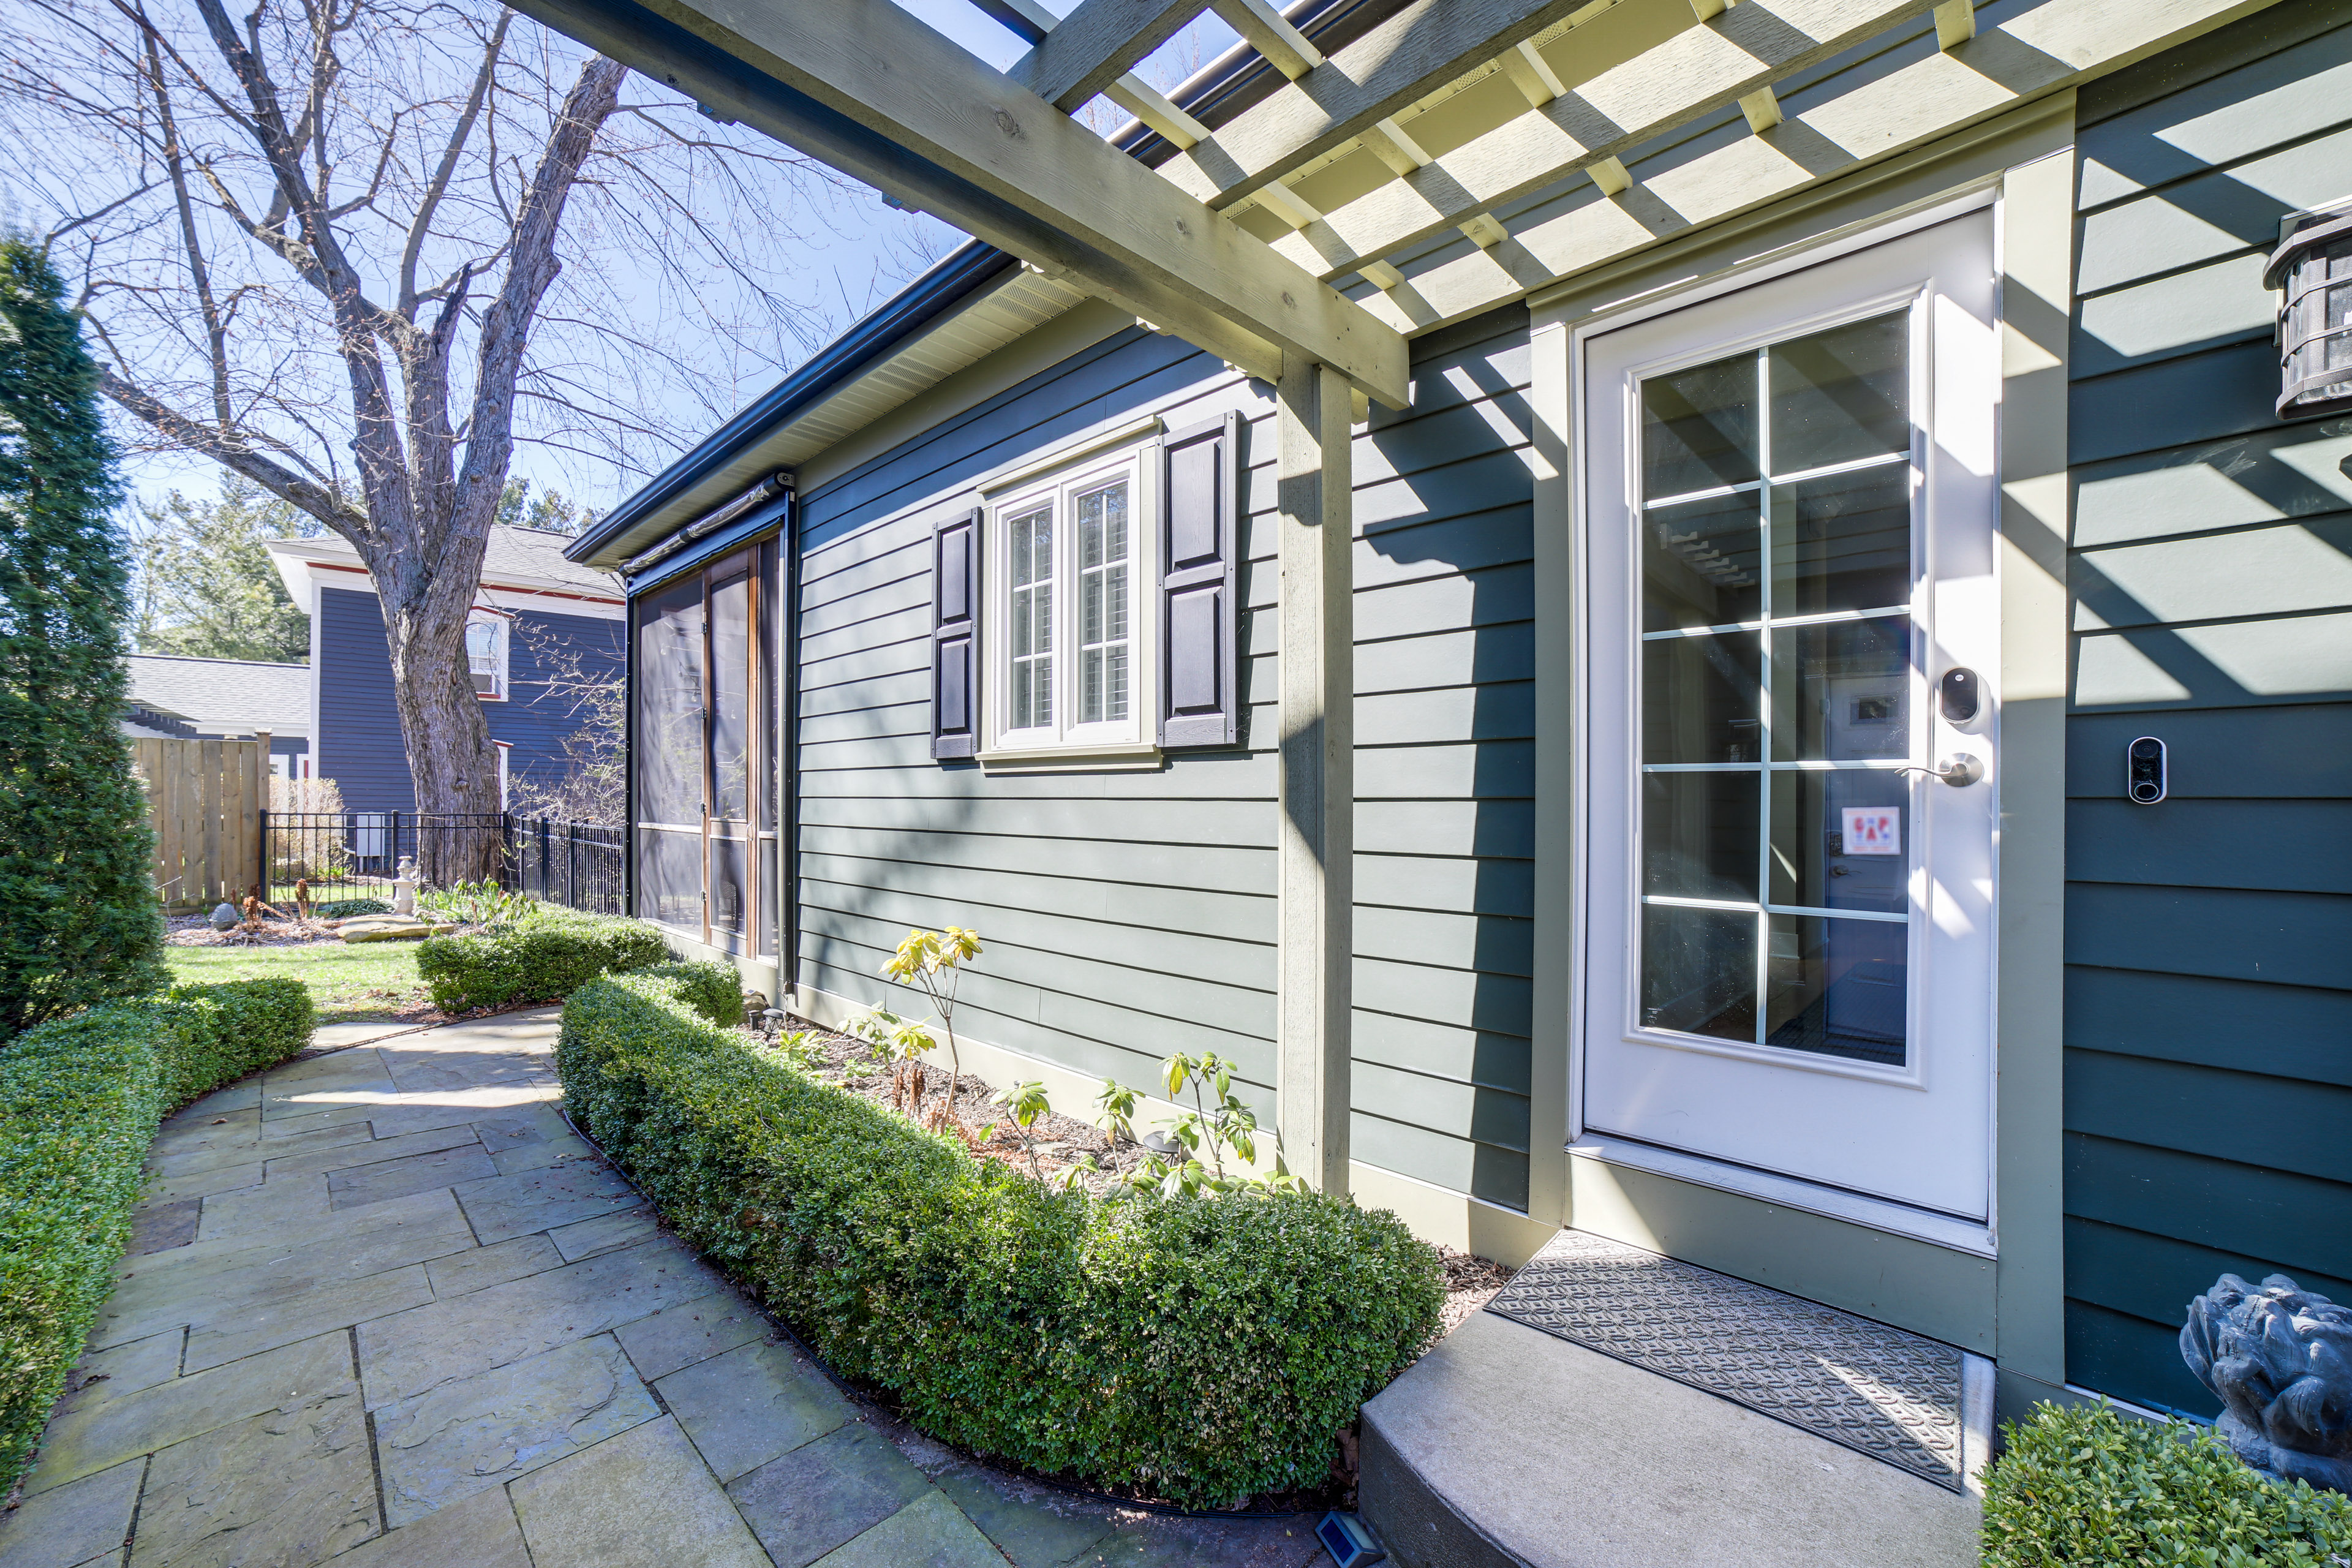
[{"x": 231, "y": 451}]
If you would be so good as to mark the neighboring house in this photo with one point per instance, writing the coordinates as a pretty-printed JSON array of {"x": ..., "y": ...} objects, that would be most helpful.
[
  {"x": 179, "y": 697},
  {"x": 533, "y": 607},
  {"x": 1704, "y": 546}
]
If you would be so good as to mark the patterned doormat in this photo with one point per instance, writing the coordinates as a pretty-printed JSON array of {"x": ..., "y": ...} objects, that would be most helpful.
[{"x": 1880, "y": 1391}]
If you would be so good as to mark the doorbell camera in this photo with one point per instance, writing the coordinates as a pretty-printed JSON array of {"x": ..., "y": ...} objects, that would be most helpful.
[
  {"x": 1958, "y": 695},
  {"x": 2144, "y": 770}
]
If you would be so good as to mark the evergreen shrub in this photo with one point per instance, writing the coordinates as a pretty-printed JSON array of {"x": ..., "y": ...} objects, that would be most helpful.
[
  {"x": 1206, "y": 1348},
  {"x": 81, "y": 1097},
  {"x": 549, "y": 955},
  {"x": 78, "y": 922},
  {"x": 2083, "y": 1485},
  {"x": 350, "y": 909}
]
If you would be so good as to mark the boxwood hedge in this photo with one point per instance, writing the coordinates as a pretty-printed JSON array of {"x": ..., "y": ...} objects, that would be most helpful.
[
  {"x": 79, "y": 1100},
  {"x": 1206, "y": 1349},
  {"x": 2083, "y": 1485},
  {"x": 551, "y": 954}
]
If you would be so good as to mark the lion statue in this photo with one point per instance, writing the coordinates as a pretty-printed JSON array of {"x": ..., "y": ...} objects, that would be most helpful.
[{"x": 2280, "y": 1360}]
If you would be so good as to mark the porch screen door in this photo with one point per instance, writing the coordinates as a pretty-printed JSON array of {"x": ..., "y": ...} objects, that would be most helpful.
[{"x": 1790, "y": 493}]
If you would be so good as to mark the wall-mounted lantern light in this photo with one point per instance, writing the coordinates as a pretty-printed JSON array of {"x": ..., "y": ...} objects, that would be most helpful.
[{"x": 2313, "y": 265}]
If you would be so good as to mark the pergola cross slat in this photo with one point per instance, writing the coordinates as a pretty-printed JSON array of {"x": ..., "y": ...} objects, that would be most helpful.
[
  {"x": 2024, "y": 58},
  {"x": 1695, "y": 72}
]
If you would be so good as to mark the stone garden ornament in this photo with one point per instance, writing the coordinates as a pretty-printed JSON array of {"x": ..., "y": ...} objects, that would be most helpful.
[{"x": 2280, "y": 1360}]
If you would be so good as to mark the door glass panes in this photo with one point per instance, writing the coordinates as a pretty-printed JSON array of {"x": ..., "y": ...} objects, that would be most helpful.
[
  {"x": 1701, "y": 563},
  {"x": 1102, "y": 606},
  {"x": 730, "y": 700},
  {"x": 1032, "y": 575},
  {"x": 1698, "y": 428},
  {"x": 1776, "y": 670}
]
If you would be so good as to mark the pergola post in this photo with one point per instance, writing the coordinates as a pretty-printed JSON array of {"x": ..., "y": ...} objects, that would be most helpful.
[{"x": 1316, "y": 829}]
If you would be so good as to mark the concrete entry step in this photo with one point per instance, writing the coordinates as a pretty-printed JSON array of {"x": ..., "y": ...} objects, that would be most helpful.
[{"x": 1508, "y": 1445}]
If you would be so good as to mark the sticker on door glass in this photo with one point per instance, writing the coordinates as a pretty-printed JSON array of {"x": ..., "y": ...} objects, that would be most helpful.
[{"x": 1874, "y": 830}]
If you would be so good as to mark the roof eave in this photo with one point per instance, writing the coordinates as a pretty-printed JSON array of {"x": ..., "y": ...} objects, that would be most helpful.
[{"x": 658, "y": 507}]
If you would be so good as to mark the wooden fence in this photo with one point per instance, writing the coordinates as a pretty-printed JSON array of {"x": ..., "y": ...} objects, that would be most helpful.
[{"x": 204, "y": 799}]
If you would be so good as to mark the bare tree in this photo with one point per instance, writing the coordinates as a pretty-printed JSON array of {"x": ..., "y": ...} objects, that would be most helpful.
[{"x": 354, "y": 249}]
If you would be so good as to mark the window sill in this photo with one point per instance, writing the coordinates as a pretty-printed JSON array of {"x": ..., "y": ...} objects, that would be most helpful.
[{"x": 1132, "y": 756}]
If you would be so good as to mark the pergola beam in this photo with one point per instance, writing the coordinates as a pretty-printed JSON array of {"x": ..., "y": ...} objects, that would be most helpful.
[
  {"x": 1426, "y": 46},
  {"x": 1084, "y": 52},
  {"x": 1737, "y": 55},
  {"x": 2029, "y": 55},
  {"x": 866, "y": 88}
]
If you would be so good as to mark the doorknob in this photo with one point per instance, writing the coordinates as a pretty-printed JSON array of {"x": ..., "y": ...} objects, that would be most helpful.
[{"x": 1960, "y": 770}]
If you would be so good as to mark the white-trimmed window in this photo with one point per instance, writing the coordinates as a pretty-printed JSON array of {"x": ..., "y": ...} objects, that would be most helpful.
[
  {"x": 1070, "y": 645},
  {"x": 487, "y": 637}
]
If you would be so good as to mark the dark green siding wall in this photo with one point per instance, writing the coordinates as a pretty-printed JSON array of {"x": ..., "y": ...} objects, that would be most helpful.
[
  {"x": 2209, "y": 993},
  {"x": 1129, "y": 915},
  {"x": 1446, "y": 768}
]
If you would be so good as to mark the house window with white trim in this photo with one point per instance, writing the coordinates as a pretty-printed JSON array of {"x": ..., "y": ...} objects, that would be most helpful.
[
  {"x": 1073, "y": 663},
  {"x": 486, "y": 654}
]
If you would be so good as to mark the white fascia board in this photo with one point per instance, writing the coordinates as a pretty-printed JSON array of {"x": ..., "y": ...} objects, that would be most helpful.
[{"x": 294, "y": 571}]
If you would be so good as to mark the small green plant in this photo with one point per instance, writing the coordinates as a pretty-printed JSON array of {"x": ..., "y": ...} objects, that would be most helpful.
[
  {"x": 351, "y": 908},
  {"x": 1026, "y": 1103},
  {"x": 2083, "y": 1485},
  {"x": 473, "y": 903},
  {"x": 875, "y": 1029},
  {"x": 799, "y": 1049},
  {"x": 1227, "y": 1124},
  {"x": 933, "y": 960}
]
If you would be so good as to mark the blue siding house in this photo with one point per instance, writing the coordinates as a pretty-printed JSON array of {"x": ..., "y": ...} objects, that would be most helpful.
[
  {"x": 534, "y": 613},
  {"x": 1849, "y": 775}
]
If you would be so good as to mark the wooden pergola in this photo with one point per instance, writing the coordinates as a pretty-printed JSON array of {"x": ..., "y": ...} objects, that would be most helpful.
[{"x": 1452, "y": 156}]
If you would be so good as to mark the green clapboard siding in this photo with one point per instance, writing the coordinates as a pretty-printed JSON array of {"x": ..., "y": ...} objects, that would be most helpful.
[
  {"x": 2209, "y": 939},
  {"x": 1129, "y": 915}
]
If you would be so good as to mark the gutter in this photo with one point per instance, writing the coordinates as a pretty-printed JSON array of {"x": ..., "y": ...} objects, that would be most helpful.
[{"x": 912, "y": 309}]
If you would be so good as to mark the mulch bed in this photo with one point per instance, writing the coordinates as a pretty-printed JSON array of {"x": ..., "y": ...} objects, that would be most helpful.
[{"x": 1058, "y": 1141}]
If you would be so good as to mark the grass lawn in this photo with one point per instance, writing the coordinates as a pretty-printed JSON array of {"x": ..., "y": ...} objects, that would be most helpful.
[{"x": 347, "y": 981}]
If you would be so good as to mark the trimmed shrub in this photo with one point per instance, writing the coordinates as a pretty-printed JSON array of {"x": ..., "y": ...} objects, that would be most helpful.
[
  {"x": 222, "y": 1032},
  {"x": 2083, "y": 1485},
  {"x": 349, "y": 908},
  {"x": 1205, "y": 1348},
  {"x": 712, "y": 989},
  {"x": 79, "y": 1100},
  {"x": 535, "y": 960}
]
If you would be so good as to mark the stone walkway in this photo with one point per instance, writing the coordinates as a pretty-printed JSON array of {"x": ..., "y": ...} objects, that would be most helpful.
[{"x": 383, "y": 1308}]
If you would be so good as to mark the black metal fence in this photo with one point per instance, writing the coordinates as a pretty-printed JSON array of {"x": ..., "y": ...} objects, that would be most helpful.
[{"x": 358, "y": 854}]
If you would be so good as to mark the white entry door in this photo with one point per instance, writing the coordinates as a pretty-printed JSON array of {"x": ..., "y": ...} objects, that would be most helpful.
[{"x": 1790, "y": 493}]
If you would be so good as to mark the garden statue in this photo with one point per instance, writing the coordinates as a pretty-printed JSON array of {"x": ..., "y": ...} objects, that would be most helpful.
[
  {"x": 2280, "y": 1360},
  {"x": 404, "y": 888},
  {"x": 224, "y": 916}
]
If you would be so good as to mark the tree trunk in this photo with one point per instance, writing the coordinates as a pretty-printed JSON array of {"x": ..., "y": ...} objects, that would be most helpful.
[{"x": 450, "y": 761}]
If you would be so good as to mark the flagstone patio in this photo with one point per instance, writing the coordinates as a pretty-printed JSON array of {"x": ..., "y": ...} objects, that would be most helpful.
[{"x": 384, "y": 1308}]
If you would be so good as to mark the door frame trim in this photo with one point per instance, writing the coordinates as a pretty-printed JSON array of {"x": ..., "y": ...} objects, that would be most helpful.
[
  {"x": 1791, "y": 260},
  {"x": 2025, "y": 154}
]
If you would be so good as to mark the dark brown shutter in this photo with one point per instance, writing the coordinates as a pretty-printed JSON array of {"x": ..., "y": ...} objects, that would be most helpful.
[
  {"x": 955, "y": 635},
  {"x": 1199, "y": 584}
]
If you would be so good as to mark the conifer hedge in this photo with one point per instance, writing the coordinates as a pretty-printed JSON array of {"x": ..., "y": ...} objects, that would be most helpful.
[{"x": 78, "y": 922}]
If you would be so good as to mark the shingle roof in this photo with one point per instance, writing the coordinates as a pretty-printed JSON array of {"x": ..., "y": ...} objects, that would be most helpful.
[
  {"x": 236, "y": 696},
  {"x": 532, "y": 552}
]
